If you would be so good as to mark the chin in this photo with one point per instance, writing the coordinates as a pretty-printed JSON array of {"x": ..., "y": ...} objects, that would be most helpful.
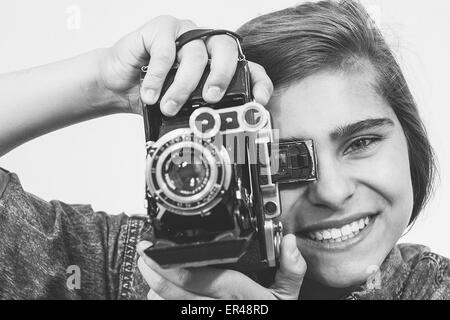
[{"x": 339, "y": 276}]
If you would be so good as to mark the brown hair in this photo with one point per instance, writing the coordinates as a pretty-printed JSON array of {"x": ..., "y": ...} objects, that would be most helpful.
[{"x": 296, "y": 42}]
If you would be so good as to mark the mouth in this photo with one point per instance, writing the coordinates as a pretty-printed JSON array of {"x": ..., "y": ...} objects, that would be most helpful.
[{"x": 339, "y": 237}]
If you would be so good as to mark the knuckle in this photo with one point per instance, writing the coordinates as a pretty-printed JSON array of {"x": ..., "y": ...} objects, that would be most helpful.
[
  {"x": 164, "y": 56},
  {"x": 225, "y": 40},
  {"x": 153, "y": 77},
  {"x": 199, "y": 57},
  {"x": 195, "y": 52},
  {"x": 222, "y": 44},
  {"x": 258, "y": 67},
  {"x": 180, "y": 92},
  {"x": 230, "y": 42},
  {"x": 220, "y": 77}
]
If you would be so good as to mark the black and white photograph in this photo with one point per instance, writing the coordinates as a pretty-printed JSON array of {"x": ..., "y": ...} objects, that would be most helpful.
[{"x": 224, "y": 150}]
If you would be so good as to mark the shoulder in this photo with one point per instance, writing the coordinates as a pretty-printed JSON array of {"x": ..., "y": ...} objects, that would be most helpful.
[
  {"x": 44, "y": 238},
  {"x": 429, "y": 273},
  {"x": 21, "y": 207}
]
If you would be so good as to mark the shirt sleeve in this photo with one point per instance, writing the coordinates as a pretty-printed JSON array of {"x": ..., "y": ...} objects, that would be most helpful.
[{"x": 52, "y": 250}]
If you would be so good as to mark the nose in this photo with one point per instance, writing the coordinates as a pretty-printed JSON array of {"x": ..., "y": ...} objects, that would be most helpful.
[{"x": 334, "y": 186}]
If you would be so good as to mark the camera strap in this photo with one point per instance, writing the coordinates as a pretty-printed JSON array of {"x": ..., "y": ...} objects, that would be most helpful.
[
  {"x": 202, "y": 33},
  {"x": 195, "y": 34}
]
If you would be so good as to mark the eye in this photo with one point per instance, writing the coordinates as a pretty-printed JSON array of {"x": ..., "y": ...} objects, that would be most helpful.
[{"x": 361, "y": 144}]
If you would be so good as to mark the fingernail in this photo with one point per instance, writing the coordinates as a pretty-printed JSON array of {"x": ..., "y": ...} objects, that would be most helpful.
[
  {"x": 144, "y": 245},
  {"x": 214, "y": 93},
  {"x": 150, "y": 96},
  {"x": 170, "y": 108}
]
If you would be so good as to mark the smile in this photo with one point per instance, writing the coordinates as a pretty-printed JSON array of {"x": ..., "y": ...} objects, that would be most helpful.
[{"x": 343, "y": 233}]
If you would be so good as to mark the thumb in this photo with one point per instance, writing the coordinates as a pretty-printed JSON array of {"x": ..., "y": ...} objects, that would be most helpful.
[{"x": 289, "y": 277}]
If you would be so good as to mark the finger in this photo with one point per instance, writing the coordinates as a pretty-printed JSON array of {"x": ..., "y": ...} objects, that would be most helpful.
[
  {"x": 164, "y": 288},
  {"x": 193, "y": 59},
  {"x": 152, "y": 295},
  {"x": 211, "y": 282},
  {"x": 224, "y": 58},
  {"x": 289, "y": 277},
  {"x": 262, "y": 87},
  {"x": 160, "y": 45}
]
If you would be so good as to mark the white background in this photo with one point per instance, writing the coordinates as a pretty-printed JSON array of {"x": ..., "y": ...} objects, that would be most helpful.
[{"x": 101, "y": 162}]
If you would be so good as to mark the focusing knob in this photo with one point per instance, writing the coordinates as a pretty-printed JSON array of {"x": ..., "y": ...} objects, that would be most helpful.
[{"x": 277, "y": 236}]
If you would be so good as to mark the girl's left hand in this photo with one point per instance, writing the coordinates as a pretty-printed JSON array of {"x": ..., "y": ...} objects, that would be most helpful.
[{"x": 213, "y": 283}]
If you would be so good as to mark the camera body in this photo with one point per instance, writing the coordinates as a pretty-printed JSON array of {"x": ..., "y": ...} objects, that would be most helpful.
[
  {"x": 203, "y": 192},
  {"x": 212, "y": 177}
]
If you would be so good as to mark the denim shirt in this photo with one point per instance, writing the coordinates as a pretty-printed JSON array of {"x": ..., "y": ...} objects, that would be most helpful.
[{"x": 52, "y": 250}]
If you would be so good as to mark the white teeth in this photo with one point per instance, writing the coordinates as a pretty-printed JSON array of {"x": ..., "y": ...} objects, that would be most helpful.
[
  {"x": 327, "y": 235},
  {"x": 336, "y": 233},
  {"x": 318, "y": 235},
  {"x": 354, "y": 226},
  {"x": 361, "y": 223},
  {"x": 344, "y": 233},
  {"x": 346, "y": 230}
]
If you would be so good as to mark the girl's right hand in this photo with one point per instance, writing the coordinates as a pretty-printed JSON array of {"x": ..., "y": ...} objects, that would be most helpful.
[
  {"x": 205, "y": 283},
  {"x": 120, "y": 67}
]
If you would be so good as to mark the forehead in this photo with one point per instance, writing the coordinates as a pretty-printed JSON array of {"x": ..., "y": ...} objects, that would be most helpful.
[{"x": 323, "y": 101}]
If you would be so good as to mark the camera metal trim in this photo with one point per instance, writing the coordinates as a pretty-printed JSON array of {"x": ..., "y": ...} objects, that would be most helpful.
[{"x": 156, "y": 183}]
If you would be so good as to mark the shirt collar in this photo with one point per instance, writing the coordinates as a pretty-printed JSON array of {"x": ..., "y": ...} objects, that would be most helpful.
[{"x": 386, "y": 282}]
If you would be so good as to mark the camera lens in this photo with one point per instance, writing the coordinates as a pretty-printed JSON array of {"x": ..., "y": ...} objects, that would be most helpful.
[{"x": 186, "y": 173}]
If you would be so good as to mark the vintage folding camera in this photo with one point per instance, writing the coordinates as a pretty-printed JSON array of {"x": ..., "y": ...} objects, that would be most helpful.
[{"x": 212, "y": 177}]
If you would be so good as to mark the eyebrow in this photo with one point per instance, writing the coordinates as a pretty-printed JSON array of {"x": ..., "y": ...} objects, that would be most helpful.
[
  {"x": 350, "y": 129},
  {"x": 353, "y": 128}
]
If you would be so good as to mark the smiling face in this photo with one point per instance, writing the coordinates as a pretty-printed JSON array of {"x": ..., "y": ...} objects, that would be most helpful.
[{"x": 348, "y": 220}]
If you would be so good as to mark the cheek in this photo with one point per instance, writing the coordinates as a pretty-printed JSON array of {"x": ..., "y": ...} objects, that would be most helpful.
[
  {"x": 388, "y": 175},
  {"x": 384, "y": 179}
]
